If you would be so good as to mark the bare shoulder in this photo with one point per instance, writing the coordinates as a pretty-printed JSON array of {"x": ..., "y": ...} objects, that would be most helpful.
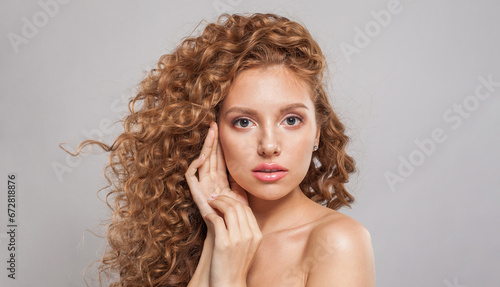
[
  {"x": 339, "y": 230},
  {"x": 340, "y": 252}
]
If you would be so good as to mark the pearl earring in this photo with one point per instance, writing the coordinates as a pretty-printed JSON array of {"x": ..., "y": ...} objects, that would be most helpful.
[{"x": 315, "y": 148}]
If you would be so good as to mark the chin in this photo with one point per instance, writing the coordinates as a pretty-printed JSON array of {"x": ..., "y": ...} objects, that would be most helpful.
[{"x": 270, "y": 192}]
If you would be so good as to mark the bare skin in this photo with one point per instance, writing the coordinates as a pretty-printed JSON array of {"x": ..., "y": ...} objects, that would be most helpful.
[
  {"x": 324, "y": 248},
  {"x": 266, "y": 232}
]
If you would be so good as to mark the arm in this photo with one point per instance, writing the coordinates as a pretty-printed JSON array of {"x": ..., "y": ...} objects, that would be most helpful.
[
  {"x": 201, "y": 275},
  {"x": 237, "y": 238},
  {"x": 223, "y": 255},
  {"x": 231, "y": 225}
]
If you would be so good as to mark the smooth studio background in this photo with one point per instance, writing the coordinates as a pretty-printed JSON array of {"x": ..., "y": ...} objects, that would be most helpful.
[{"x": 412, "y": 79}]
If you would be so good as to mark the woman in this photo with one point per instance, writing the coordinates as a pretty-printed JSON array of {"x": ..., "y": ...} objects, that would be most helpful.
[{"x": 232, "y": 169}]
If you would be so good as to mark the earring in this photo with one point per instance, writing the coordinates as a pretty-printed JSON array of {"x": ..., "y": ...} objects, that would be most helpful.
[{"x": 315, "y": 148}]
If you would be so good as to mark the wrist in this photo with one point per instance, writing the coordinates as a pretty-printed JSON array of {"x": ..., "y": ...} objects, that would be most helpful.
[
  {"x": 210, "y": 233},
  {"x": 201, "y": 275}
]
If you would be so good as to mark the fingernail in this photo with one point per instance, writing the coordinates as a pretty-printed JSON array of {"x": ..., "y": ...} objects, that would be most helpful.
[
  {"x": 213, "y": 196},
  {"x": 202, "y": 155}
]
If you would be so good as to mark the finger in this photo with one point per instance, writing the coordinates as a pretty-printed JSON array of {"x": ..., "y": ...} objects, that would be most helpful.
[
  {"x": 253, "y": 228},
  {"x": 217, "y": 223},
  {"x": 252, "y": 222},
  {"x": 245, "y": 229},
  {"x": 227, "y": 208},
  {"x": 207, "y": 150},
  {"x": 221, "y": 161},
  {"x": 238, "y": 191},
  {"x": 234, "y": 215},
  {"x": 248, "y": 227},
  {"x": 245, "y": 215},
  {"x": 213, "y": 153},
  {"x": 193, "y": 167}
]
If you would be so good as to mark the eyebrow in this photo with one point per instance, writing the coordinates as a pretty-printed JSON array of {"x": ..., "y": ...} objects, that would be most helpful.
[{"x": 253, "y": 112}]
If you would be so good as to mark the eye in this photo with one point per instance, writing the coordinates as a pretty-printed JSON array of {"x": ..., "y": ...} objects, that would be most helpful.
[
  {"x": 242, "y": 123},
  {"x": 292, "y": 121}
]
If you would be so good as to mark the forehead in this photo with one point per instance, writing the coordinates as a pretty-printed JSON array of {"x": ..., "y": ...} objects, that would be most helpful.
[{"x": 265, "y": 87}]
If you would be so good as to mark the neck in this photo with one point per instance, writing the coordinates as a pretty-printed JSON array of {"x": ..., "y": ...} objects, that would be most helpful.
[{"x": 280, "y": 214}]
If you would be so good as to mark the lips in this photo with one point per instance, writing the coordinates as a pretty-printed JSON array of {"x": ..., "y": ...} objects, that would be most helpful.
[{"x": 269, "y": 172}]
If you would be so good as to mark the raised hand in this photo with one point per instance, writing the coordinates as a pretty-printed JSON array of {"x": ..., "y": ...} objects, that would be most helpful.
[
  {"x": 233, "y": 234},
  {"x": 212, "y": 177},
  {"x": 237, "y": 238}
]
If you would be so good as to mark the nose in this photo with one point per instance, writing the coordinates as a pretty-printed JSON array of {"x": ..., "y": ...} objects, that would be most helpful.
[{"x": 269, "y": 142}]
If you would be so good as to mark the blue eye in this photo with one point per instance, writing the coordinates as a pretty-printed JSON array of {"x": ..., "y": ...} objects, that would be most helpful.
[
  {"x": 243, "y": 123},
  {"x": 292, "y": 121}
]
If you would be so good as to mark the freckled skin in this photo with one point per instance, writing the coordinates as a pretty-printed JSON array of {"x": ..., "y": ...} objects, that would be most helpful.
[
  {"x": 268, "y": 117},
  {"x": 269, "y": 135}
]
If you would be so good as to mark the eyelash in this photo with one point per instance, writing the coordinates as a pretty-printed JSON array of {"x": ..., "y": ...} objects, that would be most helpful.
[
  {"x": 295, "y": 117},
  {"x": 238, "y": 120}
]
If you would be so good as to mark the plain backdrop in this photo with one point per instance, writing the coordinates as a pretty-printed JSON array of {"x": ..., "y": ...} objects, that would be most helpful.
[{"x": 417, "y": 83}]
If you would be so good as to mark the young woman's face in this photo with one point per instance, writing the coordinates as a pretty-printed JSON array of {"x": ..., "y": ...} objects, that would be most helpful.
[{"x": 267, "y": 129}]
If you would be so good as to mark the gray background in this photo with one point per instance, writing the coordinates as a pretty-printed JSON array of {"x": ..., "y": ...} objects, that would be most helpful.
[{"x": 72, "y": 77}]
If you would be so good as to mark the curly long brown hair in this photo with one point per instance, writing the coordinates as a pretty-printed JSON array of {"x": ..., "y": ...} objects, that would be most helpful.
[{"x": 156, "y": 233}]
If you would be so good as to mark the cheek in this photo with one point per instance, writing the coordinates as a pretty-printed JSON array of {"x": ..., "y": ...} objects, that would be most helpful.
[
  {"x": 236, "y": 149},
  {"x": 229, "y": 155},
  {"x": 239, "y": 154},
  {"x": 303, "y": 154}
]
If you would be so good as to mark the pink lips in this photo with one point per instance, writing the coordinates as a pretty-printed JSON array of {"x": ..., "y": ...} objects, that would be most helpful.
[{"x": 269, "y": 172}]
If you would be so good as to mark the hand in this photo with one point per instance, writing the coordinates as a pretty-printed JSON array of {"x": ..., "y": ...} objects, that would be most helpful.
[
  {"x": 212, "y": 177},
  {"x": 237, "y": 238}
]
